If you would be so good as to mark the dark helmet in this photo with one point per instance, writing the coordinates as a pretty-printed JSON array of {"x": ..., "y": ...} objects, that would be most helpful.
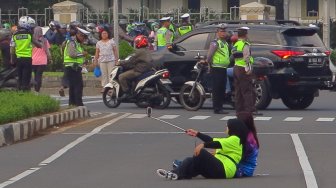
[{"x": 141, "y": 41}]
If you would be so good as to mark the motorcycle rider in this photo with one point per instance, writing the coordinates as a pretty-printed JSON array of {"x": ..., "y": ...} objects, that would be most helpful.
[
  {"x": 137, "y": 64},
  {"x": 51, "y": 33}
]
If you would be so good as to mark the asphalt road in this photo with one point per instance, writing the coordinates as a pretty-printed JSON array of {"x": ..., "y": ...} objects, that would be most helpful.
[{"x": 123, "y": 148}]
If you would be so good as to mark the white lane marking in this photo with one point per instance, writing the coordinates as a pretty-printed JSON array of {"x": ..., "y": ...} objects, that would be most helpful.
[
  {"x": 228, "y": 117},
  {"x": 199, "y": 117},
  {"x": 95, "y": 113},
  {"x": 325, "y": 119},
  {"x": 18, "y": 177},
  {"x": 67, "y": 98},
  {"x": 168, "y": 116},
  {"x": 304, "y": 162},
  {"x": 293, "y": 119},
  {"x": 262, "y": 118},
  {"x": 62, "y": 151},
  {"x": 88, "y": 102},
  {"x": 137, "y": 116},
  {"x": 160, "y": 132}
]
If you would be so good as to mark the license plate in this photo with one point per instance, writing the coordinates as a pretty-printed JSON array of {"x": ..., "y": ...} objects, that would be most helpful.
[{"x": 315, "y": 60}]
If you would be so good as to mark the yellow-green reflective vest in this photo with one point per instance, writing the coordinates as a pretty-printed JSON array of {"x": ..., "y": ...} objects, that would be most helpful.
[
  {"x": 23, "y": 45},
  {"x": 221, "y": 57},
  {"x": 68, "y": 61},
  {"x": 239, "y": 46},
  {"x": 161, "y": 36},
  {"x": 184, "y": 29}
]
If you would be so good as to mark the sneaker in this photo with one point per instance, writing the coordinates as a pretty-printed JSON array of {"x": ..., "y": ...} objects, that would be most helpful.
[
  {"x": 176, "y": 163},
  {"x": 61, "y": 92},
  {"x": 167, "y": 174}
]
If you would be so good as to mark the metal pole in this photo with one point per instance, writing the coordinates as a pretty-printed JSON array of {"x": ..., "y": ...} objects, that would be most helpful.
[
  {"x": 326, "y": 23},
  {"x": 115, "y": 24},
  {"x": 286, "y": 9}
]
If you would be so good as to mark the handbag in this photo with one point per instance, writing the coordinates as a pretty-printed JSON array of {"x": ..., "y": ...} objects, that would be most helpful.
[{"x": 97, "y": 71}]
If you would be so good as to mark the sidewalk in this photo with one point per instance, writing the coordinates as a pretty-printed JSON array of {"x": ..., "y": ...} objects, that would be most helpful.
[{"x": 51, "y": 86}]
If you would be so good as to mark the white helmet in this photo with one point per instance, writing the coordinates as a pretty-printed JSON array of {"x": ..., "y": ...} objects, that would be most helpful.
[{"x": 26, "y": 22}]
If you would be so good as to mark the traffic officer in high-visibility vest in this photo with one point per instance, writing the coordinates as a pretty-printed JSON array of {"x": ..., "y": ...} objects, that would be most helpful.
[
  {"x": 186, "y": 26},
  {"x": 21, "y": 51},
  {"x": 74, "y": 57},
  {"x": 242, "y": 72},
  {"x": 219, "y": 59},
  {"x": 164, "y": 36}
]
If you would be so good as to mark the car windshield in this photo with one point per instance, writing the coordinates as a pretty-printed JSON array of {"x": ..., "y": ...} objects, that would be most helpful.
[{"x": 300, "y": 37}]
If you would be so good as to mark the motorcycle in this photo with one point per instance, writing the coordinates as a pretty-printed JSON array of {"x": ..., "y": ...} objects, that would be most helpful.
[
  {"x": 148, "y": 90},
  {"x": 193, "y": 93},
  {"x": 8, "y": 79}
]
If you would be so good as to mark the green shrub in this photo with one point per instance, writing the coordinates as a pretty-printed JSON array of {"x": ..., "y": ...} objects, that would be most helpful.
[
  {"x": 124, "y": 50},
  {"x": 333, "y": 57},
  {"x": 16, "y": 106}
]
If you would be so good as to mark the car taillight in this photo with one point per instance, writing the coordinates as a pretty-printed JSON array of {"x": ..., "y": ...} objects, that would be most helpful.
[
  {"x": 284, "y": 54},
  {"x": 327, "y": 53},
  {"x": 165, "y": 74}
]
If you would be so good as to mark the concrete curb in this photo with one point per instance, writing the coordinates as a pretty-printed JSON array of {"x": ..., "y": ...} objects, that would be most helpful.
[{"x": 21, "y": 130}]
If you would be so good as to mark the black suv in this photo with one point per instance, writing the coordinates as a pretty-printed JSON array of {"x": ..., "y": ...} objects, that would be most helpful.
[{"x": 301, "y": 60}]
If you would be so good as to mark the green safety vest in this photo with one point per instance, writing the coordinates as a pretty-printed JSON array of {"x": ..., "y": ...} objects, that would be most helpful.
[
  {"x": 239, "y": 46},
  {"x": 184, "y": 29},
  {"x": 221, "y": 58},
  {"x": 69, "y": 61},
  {"x": 231, "y": 150},
  {"x": 23, "y": 44},
  {"x": 161, "y": 36}
]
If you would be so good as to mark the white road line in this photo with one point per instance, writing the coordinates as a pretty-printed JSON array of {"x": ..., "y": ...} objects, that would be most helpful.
[
  {"x": 95, "y": 113},
  {"x": 168, "y": 116},
  {"x": 62, "y": 151},
  {"x": 138, "y": 132},
  {"x": 262, "y": 118},
  {"x": 293, "y": 119},
  {"x": 137, "y": 116},
  {"x": 200, "y": 117},
  {"x": 228, "y": 117},
  {"x": 88, "y": 102},
  {"x": 325, "y": 119},
  {"x": 304, "y": 162}
]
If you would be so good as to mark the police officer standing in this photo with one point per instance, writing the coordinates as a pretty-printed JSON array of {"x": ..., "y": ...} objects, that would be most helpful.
[
  {"x": 186, "y": 26},
  {"x": 242, "y": 72},
  {"x": 74, "y": 57},
  {"x": 219, "y": 59},
  {"x": 22, "y": 51},
  {"x": 164, "y": 36}
]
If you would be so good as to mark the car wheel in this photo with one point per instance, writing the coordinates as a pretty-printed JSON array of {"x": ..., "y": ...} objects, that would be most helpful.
[
  {"x": 110, "y": 98},
  {"x": 263, "y": 97},
  {"x": 298, "y": 102},
  {"x": 193, "y": 102}
]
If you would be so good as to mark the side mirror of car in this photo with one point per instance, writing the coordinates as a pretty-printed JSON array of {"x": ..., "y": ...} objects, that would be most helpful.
[{"x": 172, "y": 47}]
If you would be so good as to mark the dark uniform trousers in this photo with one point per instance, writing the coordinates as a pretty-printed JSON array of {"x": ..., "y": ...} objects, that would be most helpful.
[
  {"x": 218, "y": 87},
  {"x": 24, "y": 70},
  {"x": 244, "y": 91},
  {"x": 75, "y": 85}
]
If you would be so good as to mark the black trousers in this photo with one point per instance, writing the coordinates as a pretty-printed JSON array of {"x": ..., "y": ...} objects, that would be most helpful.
[
  {"x": 218, "y": 87},
  {"x": 24, "y": 70},
  {"x": 38, "y": 72},
  {"x": 204, "y": 164},
  {"x": 5, "y": 51},
  {"x": 75, "y": 86}
]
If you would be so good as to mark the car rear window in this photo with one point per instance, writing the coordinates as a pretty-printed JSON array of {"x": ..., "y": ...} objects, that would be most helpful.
[
  {"x": 302, "y": 37},
  {"x": 195, "y": 42},
  {"x": 264, "y": 37}
]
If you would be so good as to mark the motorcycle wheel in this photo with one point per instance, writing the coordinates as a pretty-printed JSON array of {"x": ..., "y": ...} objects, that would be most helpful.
[
  {"x": 110, "y": 98},
  {"x": 192, "y": 103},
  {"x": 166, "y": 98}
]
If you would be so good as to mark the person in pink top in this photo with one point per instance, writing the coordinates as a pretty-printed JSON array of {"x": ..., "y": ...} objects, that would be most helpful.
[{"x": 40, "y": 58}]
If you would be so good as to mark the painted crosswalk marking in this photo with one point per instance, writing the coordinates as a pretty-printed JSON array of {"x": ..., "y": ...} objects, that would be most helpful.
[
  {"x": 228, "y": 117},
  {"x": 325, "y": 119},
  {"x": 95, "y": 113},
  {"x": 169, "y": 116},
  {"x": 199, "y": 117},
  {"x": 137, "y": 116},
  {"x": 293, "y": 119},
  {"x": 262, "y": 118}
]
